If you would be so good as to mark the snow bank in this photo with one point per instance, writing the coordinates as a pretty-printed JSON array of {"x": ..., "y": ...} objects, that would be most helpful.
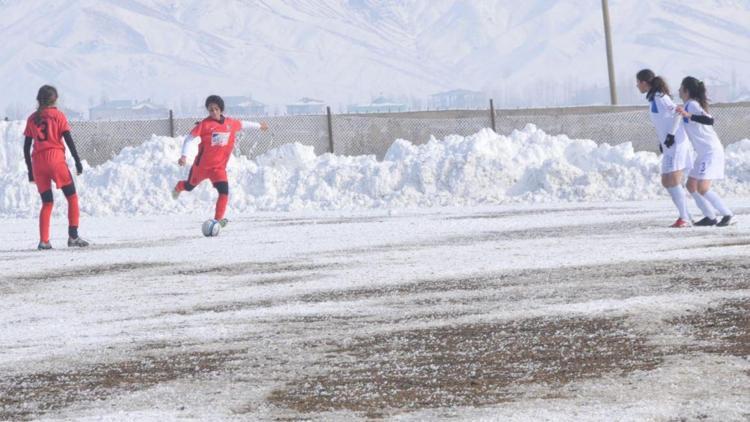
[{"x": 485, "y": 168}]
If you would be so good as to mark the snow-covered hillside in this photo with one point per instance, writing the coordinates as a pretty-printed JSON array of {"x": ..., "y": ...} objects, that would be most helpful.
[{"x": 533, "y": 52}]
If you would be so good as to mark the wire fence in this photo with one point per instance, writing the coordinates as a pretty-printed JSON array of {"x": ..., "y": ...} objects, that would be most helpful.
[{"x": 373, "y": 134}]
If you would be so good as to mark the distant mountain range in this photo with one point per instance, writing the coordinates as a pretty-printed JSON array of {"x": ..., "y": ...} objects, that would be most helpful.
[{"x": 522, "y": 53}]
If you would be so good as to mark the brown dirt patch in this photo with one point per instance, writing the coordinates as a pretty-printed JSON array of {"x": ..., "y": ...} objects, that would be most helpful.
[
  {"x": 18, "y": 283},
  {"x": 243, "y": 268},
  {"x": 722, "y": 329},
  {"x": 723, "y": 274},
  {"x": 88, "y": 271},
  {"x": 465, "y": 365},
  {"x": 30, "y": 395}
]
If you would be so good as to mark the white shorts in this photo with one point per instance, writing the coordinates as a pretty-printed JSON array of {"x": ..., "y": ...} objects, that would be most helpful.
[
  {"x": 678, "y": 158},
  {"x": 709, "y": 166}
]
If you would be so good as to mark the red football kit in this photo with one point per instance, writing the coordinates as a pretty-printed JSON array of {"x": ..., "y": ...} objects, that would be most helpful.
[
  {"x": 216, "y": 144},
  {"x": 48, "y": 154},
  {"x": 46, "y": 128}
]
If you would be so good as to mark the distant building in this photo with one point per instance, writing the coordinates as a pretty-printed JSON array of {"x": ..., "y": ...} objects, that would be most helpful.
[
  {"x": 306, "y": 106},
  {"x": 128, "y": 110},
  {"x": 743, "y": 96},
  {"x": 378, "y": 105},
  {"x": 72, "y": 114},
  {"x": 244, "y": 106},
  {"x": 459, "y": 99},
  {"x": 718, "y": 91}
]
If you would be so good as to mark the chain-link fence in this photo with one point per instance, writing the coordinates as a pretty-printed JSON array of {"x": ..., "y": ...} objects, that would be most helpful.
[
  {"x": 357, "y": 134},
  {"x": 618, "y": 124},
  {"x": 98, "y": 141},
  {"x": 307, "y": 130}
]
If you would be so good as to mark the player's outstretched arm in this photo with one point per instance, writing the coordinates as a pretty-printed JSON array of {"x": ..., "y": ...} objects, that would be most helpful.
[
  {"x": 700, "y": 116},
  {"x": 189, "y": 140},
  {"x": 254, "y": 125},
  {"x": 27, "y": 156}
]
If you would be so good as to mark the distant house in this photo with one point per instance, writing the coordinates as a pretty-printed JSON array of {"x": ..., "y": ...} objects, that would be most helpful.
[
  {"x": 718, "y": 91},
  {"x": 128, "y": 110},
  {"x": 72, "y": 114},
  {"x": 459, "y": 99},
  {"x": 306, "y": 106},
  {"x": 742, "y": 96},
  {"x": 378, "y": 105},
  {"x": 244, "y": 106}
]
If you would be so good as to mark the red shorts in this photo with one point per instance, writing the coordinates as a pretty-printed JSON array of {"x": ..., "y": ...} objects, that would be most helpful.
[
  {"x": 50, "y": 166},
  {"x": 198, "y": 174}
]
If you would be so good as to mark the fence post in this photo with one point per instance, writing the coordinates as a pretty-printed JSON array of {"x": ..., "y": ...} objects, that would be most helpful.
[
  {"x": 330, "y": 129},
  {"x": 492, "y": 115},
  {"x": 171, "y": 124}
]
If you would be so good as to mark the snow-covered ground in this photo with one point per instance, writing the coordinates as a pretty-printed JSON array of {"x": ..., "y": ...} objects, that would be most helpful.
[
  {"x": 546, "y": 287},
  {"x": 529, "y": 312}
]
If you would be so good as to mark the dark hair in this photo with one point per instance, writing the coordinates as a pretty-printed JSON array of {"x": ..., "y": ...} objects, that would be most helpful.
[
  {"x": 215, "y": 99},
  {"x": 658, "y": 84},
  {"x": 696, "y": 91},
  {"x": 46, "y": 97},
  {"x": 645, "y": 75}
]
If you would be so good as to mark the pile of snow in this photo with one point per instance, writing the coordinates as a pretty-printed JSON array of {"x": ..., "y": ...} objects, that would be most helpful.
[{"x": 486, "y": 168}]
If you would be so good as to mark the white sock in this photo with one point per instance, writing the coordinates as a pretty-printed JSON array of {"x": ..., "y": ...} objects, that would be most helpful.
[
  {"x": 716, "y": 201},
  {"x": 678, "y": 197},
  {"x": 704, "y": 206}
]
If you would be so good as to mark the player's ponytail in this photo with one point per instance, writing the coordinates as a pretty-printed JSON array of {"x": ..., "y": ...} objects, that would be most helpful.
[
  {"x": 656, "y": 83},
  {"x": 696, "y": 90},
  {"x": 46, "y": 97}
]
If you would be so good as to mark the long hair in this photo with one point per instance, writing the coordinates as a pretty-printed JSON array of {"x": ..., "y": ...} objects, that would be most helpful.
[
  {"x": 46, "y": 97},
  {"x": 696, "y": 91},
  {"x": 657, "y": 83}
]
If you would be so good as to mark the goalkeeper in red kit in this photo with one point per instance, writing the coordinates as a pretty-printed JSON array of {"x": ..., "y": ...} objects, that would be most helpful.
[{"x": 216, "y": 136}]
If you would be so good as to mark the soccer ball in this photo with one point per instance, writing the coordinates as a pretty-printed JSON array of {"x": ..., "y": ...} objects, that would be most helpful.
[{"x": 210, "y": 228}]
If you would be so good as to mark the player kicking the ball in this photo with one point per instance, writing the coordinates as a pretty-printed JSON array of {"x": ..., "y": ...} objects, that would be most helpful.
[
  {"x": 216, "y": 134},
  {"x": 47, "y": 127}
]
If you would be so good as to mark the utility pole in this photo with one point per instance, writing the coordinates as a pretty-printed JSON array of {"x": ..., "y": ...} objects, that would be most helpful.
[{"x": 610, "y": 60}]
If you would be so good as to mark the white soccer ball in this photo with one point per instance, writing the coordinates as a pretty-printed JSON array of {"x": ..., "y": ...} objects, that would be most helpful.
[{"x": 210, "y": 228}]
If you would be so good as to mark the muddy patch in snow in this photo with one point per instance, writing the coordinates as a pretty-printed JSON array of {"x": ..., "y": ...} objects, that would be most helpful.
[
  {"x": 31, "y": 395},
  {"x": 465, "y": 365}
]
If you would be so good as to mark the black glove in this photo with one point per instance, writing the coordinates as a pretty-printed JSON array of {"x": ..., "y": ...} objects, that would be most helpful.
[
  {"x": 79, "y": 168},
  {"x": 661, "y": 150},
  {"x": 31, "y": 177},
  {"x": 669, "y": 141}
]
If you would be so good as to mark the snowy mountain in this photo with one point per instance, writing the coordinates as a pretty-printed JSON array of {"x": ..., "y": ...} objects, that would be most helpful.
[{"x": 535, "y": 52}]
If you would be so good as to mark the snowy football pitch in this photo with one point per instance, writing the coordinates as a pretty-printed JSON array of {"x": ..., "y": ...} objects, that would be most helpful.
[{"x": 585, "y": 311}]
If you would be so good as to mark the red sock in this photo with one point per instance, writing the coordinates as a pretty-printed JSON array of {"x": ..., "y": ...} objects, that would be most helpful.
[
  {"x": 180, "y": 186},
  {"x": 73, "y": 212},
  {"x": 44, "y": 216},
  {"x": 221, "y": 206}
]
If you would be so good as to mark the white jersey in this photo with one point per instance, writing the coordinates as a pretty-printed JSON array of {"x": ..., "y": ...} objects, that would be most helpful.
[
  {"x": 666, "y": 120},
  {"x": 702, "y": 136}
]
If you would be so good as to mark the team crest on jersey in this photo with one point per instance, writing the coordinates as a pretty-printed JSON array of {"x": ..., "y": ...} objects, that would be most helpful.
[{"x": 219, "y": 139}]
